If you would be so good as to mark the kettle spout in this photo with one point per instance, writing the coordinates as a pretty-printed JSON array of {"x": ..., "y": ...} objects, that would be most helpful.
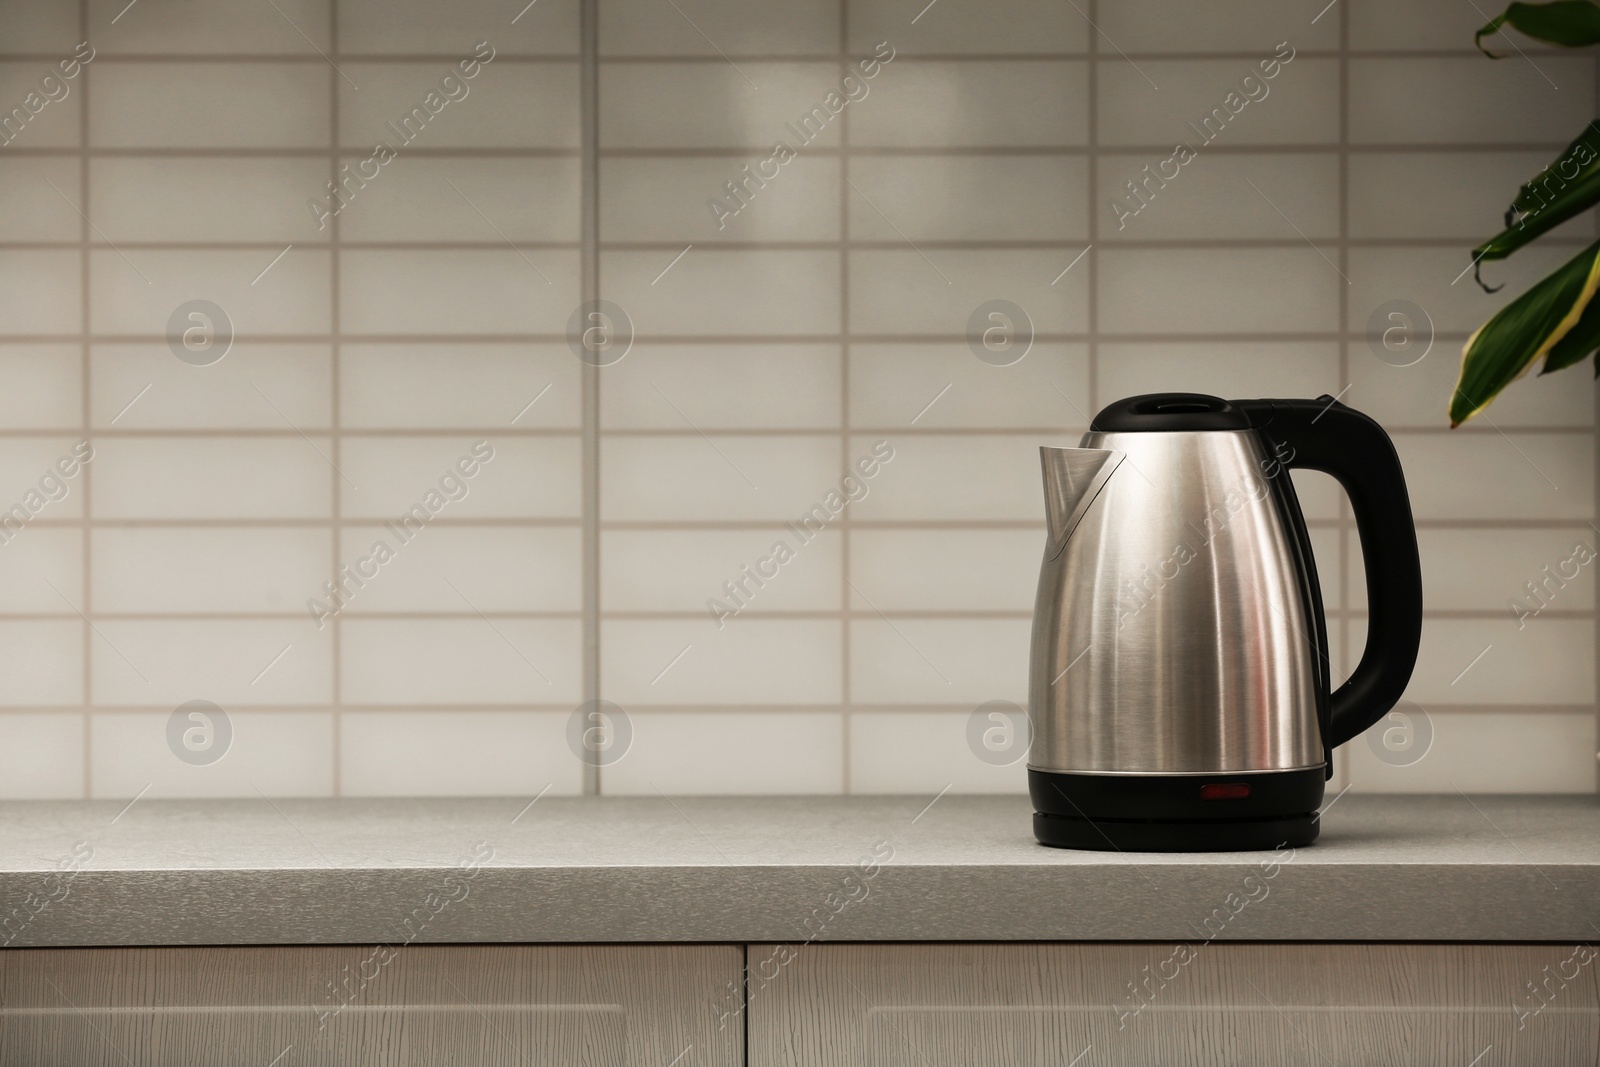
[{"x": 1073, "y": 477}]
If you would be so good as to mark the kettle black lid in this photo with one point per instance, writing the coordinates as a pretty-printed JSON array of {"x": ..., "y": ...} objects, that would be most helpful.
[{"x": 1169, "y": 411}]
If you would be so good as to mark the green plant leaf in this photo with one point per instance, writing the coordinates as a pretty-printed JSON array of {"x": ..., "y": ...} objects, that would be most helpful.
[
  {"x": 1527, "y": 329},
  {"x": 1567, "y": 187},
  {"x": 1577, "y": 343},
  {"x": 1569, "y": 23}
]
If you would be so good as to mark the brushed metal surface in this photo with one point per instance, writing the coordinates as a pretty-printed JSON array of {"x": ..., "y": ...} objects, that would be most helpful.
[
  {"x": 1192, "y": 1004},
  {"x": 218, "y": 872},
  {"x": 1171, "y": 635}
]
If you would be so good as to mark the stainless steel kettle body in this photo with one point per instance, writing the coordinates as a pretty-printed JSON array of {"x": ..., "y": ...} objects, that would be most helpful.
[{"x": 1179, "y": 691}]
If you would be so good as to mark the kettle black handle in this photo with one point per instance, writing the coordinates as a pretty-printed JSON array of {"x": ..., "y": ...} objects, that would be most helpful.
[{"x": 1325, "y": 435}]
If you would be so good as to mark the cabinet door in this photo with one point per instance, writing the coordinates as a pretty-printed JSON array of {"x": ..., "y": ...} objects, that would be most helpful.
[
  {"x": 351, "y": 1005},
  {"x": 1087, "y": 1005}
]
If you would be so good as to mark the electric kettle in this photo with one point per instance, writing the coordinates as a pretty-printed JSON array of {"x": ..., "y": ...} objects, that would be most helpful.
[{"x": 1179, "y": 689}]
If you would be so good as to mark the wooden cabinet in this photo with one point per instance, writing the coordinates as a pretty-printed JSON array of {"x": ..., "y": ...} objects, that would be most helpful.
[
  {"x": 1088, "y": 1005},
  {"x": 828, "y": 1005},
  {"x": 351, "y": 1005}
]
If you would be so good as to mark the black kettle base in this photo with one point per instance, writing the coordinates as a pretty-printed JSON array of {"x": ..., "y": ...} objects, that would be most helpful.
[
  {"x": 1176, "y": 812},
  {"x": 1209, "y": 835}
]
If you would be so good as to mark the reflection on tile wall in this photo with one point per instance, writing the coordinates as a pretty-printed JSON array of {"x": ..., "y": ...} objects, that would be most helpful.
[{"x": 673, "y": 532}]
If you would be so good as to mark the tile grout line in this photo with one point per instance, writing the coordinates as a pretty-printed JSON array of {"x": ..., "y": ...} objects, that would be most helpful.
[
  {"x": 335, "y": 421},
  {"x": 1122, "y": 246},
  {"x": 679, "y": 614},
  {"x": 1092, "y": 182},
  {"x": 589, "y": 374},
  {"x": 255, "y": 434},
  {"x": 86, "y": 538},
  {"x": 1343, "y": 775},
  {"x": 1132, "y": 149},
  {"x": 846, "y": 696},
  {"x": 1569, "y": 525},
  {"x": 572, "y": 59},
  {"x": 756, "y": 709}
]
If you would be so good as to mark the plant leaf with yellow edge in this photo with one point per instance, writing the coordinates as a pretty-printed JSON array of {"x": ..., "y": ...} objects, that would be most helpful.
[
  {"x": 1564, "y": 189},
  {"x": 1526, "y": 330},
  {"x": 1569, "y": 23}
]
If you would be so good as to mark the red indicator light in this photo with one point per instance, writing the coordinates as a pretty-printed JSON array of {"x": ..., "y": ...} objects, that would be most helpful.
[{"x": 1224, "y": 791}]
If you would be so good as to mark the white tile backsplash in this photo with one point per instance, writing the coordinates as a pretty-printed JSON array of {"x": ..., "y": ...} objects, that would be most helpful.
[
  {"x": 1465, "y": 100},
  {"x": 967, "y": 198},
  {"x": 44, "y": 386},
  {"x": 40, "y": 291},
  {"x": 41, "y": 756},
  {"x": 1230, "y": 26},
  {"x": 297, "y": 27},
  {"x": 646, "y": 28},
  {"x": 39, "y": 195},
  {"x": 473, "y": 660},
  {"x": 978, "y": 570},
  {"x": 1429, "y": 25},
  {"x": 736, "y": 292},
  {"x": 1486, "y": 570},
  {"x": 457, "y": 753},
  {"x": 428, "y": 199},
  {"x": 1550, "y": 661},
  {"x": 28, "y": 472},
  {"x": 1022, "y": 26},
  {"x": 673, "y": 386},
  {"x": 1166, "y": 102},
  {"x": 939, "y": 661},
  {"x": 455, "y": 478},
  {"x": 1433, "y": 279},
  {"x": 270, "y": 105},
  {"x": 1478, "y": 752},
  {"x": 941, "y": 386},
  {"x": 752, "y": 104},
  {"x": 232, "y": 662},
  {"x": 1459, "y": 195},
  {"x": 938, "y": 291},
  {"x": 263, "y": 478},
  {"x": 634, "y": 537},
  {"x": 1537, "y": 476},
  {"x": 43, "y": 662},
  {"x": 956, "y": 479},
  {"x": 1234, "y": 370},
  {"x": 140, "y": 291},
  {"x": 205, "y": 200},
  {"x": 409, "y": 27},
  {"x": 167, "y": 570},
  {"x": 1416, "y": 397},
  {"x": 451, "y": 569},
  {"x": 750, "y": 661},
  {"x": 458, "y": 291},
  {"x": 929, "y": 103},
  {"x": 924, "y": 752},
  {"x": 1231, "y": 290},
  {"x": 414, "y": 386},
  {"x": 688, "y": 571},
  {"x": 41, "y": 572},
  {"x": 257, "y": 386},
  {"x": 670, "y": 199},
  {"x": 58, "y": 121},
  {"x": 693, "y": 477},
  {"x": 41, "y": 28},
  {"x": 505, "y": 104},
  {"x": 271, "y": 753},
  {"x": 1285, "y": 196},
  {"x": 766, "y": 752}
]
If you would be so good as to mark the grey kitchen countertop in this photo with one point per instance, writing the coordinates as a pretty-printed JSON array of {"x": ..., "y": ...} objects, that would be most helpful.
[{"x": 171, "y": 872}]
